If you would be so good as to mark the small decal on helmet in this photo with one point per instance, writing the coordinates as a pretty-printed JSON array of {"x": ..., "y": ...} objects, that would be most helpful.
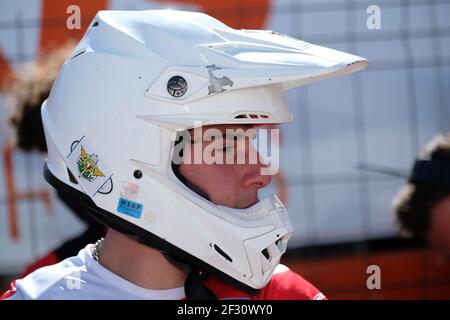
[
  {"x": 217, "y": 84},
  {"x": 129, "y": 190},
  {"x": 177, "y": 86},
  {"x": 88, "y": 168},
  {"x": 130, "y": 208}
]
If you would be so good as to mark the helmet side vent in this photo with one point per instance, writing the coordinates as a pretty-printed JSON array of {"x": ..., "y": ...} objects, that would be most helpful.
[
  {"x": 78, "y": 54},
  {"x": 222, "y": 253}
]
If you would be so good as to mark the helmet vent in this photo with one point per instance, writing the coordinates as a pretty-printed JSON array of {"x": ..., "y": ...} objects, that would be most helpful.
[
  {"x": 222, "y": 253},
  {"x": 252, "y": 116},
  {"x": 266, "y": 254},
  {"x": 78, "y": 54},
  {"x": 271, "y": 255},
  {"x": 352, "y": 63}
]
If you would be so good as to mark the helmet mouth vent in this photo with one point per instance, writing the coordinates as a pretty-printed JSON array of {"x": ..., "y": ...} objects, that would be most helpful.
[{"x": 266, "y": 254}]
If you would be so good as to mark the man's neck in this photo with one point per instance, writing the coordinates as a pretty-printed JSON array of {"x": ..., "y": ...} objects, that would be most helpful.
[{"x": 139, "y": 264}]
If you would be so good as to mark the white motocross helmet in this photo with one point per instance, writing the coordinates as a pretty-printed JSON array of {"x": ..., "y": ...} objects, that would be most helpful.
[{"x": 138, "y": 78}]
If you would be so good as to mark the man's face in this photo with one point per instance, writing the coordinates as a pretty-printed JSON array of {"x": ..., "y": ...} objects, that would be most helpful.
[
  {"x": 439, "y": 234},
  {"x": 234, "y": 184}
]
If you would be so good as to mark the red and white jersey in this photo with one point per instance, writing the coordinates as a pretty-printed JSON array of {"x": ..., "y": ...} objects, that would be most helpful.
[{"x": 82, "y": 278}]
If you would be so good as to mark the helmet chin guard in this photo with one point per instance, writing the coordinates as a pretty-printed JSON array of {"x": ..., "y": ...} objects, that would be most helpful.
[{"x": 133, "y": 82}]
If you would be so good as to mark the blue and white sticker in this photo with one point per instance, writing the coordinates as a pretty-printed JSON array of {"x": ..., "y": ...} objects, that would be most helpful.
[{"x": 130, "y": 208}]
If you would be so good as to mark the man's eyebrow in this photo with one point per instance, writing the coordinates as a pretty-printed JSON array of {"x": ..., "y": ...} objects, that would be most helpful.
[{"x": 236, "y": 133}]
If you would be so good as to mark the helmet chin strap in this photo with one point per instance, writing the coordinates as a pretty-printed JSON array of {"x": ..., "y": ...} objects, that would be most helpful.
[
  {"x": 193, "y": 285},
  {"x": 194, "y": 288}
]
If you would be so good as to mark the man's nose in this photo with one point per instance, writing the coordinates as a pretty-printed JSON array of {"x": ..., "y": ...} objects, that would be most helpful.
[
  {"x": 256, "y": 180},
  {"x": 255, "y": 177}
]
